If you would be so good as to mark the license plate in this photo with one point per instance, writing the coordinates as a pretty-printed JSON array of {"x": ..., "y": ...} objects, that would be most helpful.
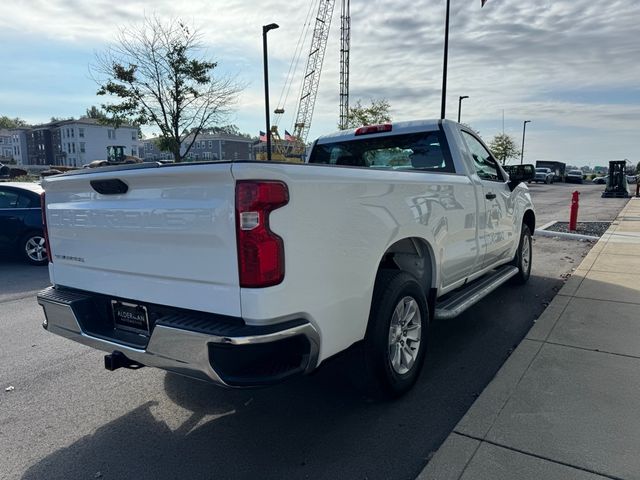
[{"x": 129, "y": 316}]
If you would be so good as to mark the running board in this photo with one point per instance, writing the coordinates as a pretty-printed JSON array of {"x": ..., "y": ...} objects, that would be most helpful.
[{"x": 473, "y": 293}]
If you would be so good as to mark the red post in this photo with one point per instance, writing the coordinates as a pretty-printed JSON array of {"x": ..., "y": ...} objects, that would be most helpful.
[{"x": 573, "y": 217}]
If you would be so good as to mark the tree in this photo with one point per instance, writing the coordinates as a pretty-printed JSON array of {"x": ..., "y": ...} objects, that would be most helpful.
[
  {"x": 6, "y": 122},
  {"x": 97, "y": 114},
  {"x": 504, "y": 147},
  {"x": 230, "y": 130},
  {"x": 377, "y": 112},
  {"x": 158, "y": 74},
  {"x": 59, "y": 119}
]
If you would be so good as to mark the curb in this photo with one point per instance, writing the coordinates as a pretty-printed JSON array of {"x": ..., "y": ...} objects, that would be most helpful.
[{"x": 543, "y": 232}]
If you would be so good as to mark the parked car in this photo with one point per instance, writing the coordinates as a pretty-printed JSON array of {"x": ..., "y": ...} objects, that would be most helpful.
[
  {"x": 557, "y": 168},
  {"x": 21, "y": 229},
  {"x": 543, "y": 175},
  {"x": 5, "y": 172},
  {"x": 600, "y": 180},
  {"x": 574, "y": 176}
]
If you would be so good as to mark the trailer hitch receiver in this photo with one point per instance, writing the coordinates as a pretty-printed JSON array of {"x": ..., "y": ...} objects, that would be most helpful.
[{"x": 117, "y": 360}]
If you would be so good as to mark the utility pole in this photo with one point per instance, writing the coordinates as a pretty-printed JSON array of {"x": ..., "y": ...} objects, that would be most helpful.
[
  {"x": 444, "y": 66},
  {"x": 460, "y": 105},
  {"x": 524, "y": 130},
  {"x": 265, "y": 30},
  {"x": 446, "y": 59}
]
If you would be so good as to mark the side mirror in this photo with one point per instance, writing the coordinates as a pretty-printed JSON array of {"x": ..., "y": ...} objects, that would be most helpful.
[{"x": 519, "y": 174}]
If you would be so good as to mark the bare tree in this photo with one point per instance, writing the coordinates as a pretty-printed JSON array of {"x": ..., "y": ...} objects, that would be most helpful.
[{"x": 160, "y": 77}]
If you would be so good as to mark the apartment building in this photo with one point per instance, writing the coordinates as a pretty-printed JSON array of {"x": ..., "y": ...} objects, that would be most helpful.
[
  {"x": 70, "y": 142},
  {"x": 13, "y": 145},
  {"x": 206, "y": 147},
  {"x": 82, "y": 141},
  {"x": 6, "y": 145}
]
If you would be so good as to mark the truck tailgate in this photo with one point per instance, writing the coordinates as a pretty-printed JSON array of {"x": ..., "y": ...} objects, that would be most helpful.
[{"x": 170, "y": 239}]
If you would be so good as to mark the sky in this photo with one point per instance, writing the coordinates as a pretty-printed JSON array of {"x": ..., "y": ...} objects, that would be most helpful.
[{"x": 572, "y": 67}]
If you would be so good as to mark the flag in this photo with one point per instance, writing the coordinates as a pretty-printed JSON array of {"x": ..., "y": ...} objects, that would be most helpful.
[
  {"x": 288, "y": 137},
  {"x": 263, "y": 136},
  {"x": 482, "y": 2}
]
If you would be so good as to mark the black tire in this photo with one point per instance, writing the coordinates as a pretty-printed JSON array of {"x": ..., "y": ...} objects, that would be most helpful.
[
  {"x": 384, "y": 380},
  {"x": 33, "y": 250},
  {"x": 524, "y": 268}
]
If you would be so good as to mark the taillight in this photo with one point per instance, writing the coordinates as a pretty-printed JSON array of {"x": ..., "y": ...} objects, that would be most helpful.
[
  {"x": 260, "y": 251},
  {"x": 43, "y": 205},
  {"x": 386, "y": 127}
]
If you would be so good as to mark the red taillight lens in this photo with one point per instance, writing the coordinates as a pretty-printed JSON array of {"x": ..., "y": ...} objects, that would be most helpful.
[
  {"x": 43, "y": 205},
  {"x": 260, "y": 251},
  {"x": 387, "y": 127}
]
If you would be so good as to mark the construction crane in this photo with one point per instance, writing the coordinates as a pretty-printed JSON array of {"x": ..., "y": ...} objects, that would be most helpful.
[
  {"x": 345, "y": 46},
  {"x": 311, "y": 78},
  {"x": 289, "y": 150}
]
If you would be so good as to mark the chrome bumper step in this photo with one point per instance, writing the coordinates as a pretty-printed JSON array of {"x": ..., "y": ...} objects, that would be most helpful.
[{"x": 468, "y": 296}]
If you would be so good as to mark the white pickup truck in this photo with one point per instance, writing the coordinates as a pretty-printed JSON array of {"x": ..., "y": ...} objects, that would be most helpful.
[{"x": 246, "y": 273}]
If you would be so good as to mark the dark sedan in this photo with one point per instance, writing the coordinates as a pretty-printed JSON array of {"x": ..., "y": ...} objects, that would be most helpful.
[
  {"x": 21, "y": 229},
  {"x": 574, "y": 176}
]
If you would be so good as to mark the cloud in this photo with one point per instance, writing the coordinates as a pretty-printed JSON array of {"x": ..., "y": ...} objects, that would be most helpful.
[{"x": 510, "y": 55}]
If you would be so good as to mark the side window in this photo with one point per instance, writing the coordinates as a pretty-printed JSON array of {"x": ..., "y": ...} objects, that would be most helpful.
[
  {"x": 415, "y": 151},
  {"x": 486, "y": 167},
  {"x": 8, "y": 199},
  {"x": 24, "y": 202}
]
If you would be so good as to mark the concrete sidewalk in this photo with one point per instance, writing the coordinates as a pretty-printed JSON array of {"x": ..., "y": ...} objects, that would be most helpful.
[{"x": 566, "y": 404}]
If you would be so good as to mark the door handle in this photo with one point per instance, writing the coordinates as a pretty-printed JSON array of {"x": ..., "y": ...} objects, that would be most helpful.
[{"x": 490, "y": 196}]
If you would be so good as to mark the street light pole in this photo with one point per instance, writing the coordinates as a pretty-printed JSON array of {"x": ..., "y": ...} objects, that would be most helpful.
[
  {"x": 460, "y": 105},
  {"x": 265, "y": 30},
  {"x": 524, "y": 130},
  {"x": 444, "y": 66}
]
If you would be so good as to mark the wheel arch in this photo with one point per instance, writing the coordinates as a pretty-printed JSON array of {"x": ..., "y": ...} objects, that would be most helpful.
[
  {"x": 415, "y": 256},
  {"x": 529, "y": 219}
]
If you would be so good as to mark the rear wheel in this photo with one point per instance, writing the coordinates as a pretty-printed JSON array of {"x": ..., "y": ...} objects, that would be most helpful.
[
  {"x": 395, "y": 343},
  {"x": 33, "y": 248},
  {"x": 523, "y": 257}
]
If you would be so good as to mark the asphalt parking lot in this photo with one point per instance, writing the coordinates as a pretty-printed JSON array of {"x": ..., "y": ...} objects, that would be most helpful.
[{"x": 69, "y": 418}]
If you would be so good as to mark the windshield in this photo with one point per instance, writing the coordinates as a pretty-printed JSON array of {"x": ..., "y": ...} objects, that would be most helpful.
[{"x": 542, "y": 170}]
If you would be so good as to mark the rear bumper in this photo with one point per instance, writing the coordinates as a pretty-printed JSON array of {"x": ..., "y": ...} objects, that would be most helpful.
[{"x": 207, "y": 347}]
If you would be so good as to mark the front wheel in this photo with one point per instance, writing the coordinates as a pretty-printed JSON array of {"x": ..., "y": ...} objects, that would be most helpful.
[
  {"x": 523, "y": 257},
  {"x": 396, "y": 340}
]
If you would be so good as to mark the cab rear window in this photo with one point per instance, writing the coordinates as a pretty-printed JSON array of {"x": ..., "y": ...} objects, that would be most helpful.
[{"x": 424, "y": 151}]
